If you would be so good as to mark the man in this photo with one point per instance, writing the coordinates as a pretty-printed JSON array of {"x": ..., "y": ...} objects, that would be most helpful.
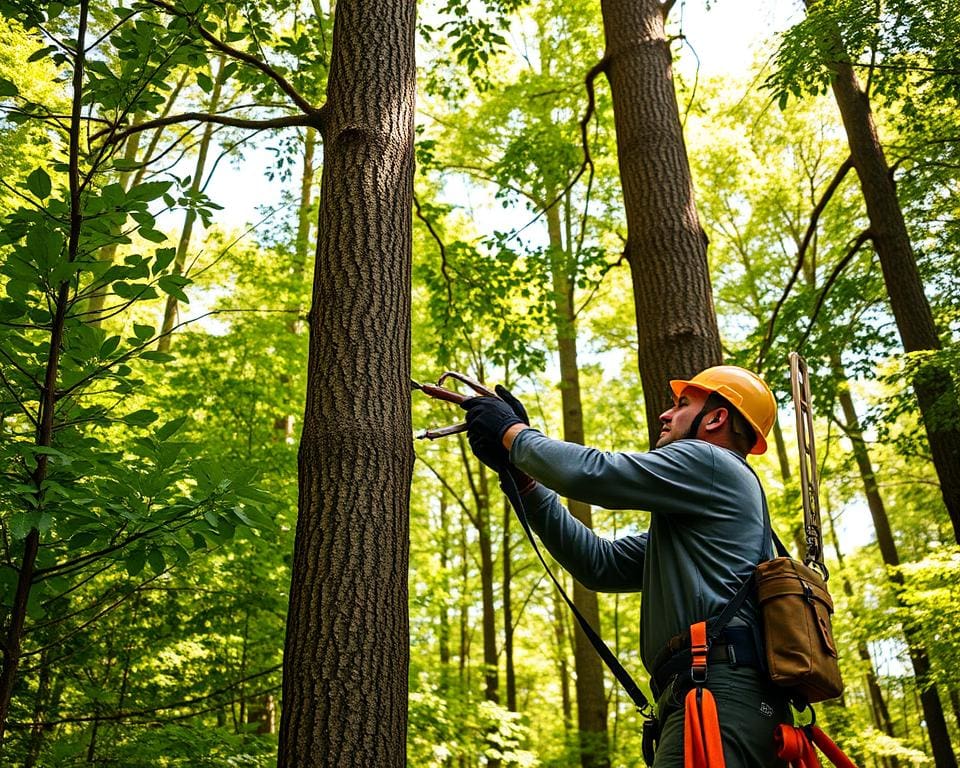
[{"x": 707, "y": 533}]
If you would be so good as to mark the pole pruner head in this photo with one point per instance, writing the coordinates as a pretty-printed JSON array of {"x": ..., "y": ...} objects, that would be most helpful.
[{"x": 439, "y": 392}]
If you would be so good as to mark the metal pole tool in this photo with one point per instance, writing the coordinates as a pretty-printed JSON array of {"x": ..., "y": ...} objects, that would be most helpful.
[{"x": 809, "y": 478}]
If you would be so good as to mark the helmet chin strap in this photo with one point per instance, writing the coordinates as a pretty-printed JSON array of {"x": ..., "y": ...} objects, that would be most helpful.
[{"x": 695, "y": 425}]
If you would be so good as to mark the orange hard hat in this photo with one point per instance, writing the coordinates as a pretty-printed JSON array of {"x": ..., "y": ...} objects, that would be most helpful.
[{"x": 746, "y": 391}]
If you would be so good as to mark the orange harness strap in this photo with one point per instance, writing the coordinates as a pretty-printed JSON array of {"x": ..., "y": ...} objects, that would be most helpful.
[
  {"x": 702, "y": 746},
  {"x": 794, "y": 746}
]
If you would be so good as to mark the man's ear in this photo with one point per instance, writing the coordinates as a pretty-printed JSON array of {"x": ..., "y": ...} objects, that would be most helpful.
[{"x": 716, "y": 419}]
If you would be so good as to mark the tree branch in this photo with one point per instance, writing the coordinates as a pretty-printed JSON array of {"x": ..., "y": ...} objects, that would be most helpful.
[
  {"x": 841, "y": 265},
  {"x": 443, "y": 481},
  {"x": 314, "y": 120},
  {"x": 253, "y": 61},
  {"x": 440, "y": 245},
  {"x": 841, "y": 173}
]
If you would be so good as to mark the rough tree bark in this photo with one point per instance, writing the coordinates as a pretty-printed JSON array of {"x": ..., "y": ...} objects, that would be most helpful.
[
  {"x": 677, "y": 331},
  {"x": 346, "y": 653},
  {"x": 933, "y": 386}
]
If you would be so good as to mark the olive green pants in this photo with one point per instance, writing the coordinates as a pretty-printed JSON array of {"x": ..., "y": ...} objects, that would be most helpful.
[{"x": 750, "y": 708}]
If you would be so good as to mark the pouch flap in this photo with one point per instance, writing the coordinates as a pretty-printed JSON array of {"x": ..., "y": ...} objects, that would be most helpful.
[{"x": 785, "y": 576}]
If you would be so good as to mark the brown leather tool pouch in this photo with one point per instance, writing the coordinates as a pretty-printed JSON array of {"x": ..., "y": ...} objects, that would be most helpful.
[{"x": 795, "y": 607}]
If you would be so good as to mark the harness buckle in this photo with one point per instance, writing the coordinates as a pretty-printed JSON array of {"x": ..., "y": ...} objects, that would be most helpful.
[{"x": 699, "y": 649}]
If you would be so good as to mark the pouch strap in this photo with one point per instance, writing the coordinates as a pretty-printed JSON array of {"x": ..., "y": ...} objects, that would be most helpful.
[{"x": 718, "y": 623}]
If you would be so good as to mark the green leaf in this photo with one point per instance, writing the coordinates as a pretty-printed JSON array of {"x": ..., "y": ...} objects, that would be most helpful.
[
  {"x": 135, "y": 561},
  {"x": 148, "y": 191},
  {"x": 172, "y": 284},
  {"x": 157, "y": 357},
  {"x": 39, "y": 183},
  {"x": 142, "y": 418},
  {"x": 167, "y": 430},
  {"x": 82, "y": 539},
  {"x": 41, "y": 53},
  {"x": 153, "y": 235},
  {"x": 44, "y": 245},
  {"x": 156, "y": 561},
  {"x": 130, "y": 290},
  {"x": 35, "y": 607},
  {"x": 143, "y": 332},
  {"x": 7, "y": 88},
  {"x": 162, "y": 259},
  {"x": 178, "y": 553},
  {"x": 109, "y": 346},
  {"x": 204, "y": 81},
  {"x": 8, "y": 580},
  {"x": 49, "y": 450},
  {"x": 21, "y": 523}
]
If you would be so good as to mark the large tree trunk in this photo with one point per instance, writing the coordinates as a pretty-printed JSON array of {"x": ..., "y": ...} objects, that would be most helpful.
[
  {"x": 933, "y": 386},
  {"x": 346, "y": 654},
  {"x": 936, "y": 723},
  {"x": 591, "y": 699},
  {"x": 677, "y": 332}
]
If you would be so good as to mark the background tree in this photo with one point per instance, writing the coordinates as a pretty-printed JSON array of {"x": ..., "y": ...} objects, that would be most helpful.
[
  {"x": 676, "y": 322},
  {"x": 834, "y": 40}
]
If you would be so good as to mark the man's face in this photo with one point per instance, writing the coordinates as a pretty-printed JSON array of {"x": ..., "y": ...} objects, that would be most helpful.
[{"x": 676, "y": 422}]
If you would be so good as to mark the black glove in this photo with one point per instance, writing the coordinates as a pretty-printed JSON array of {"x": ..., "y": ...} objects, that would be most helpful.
[
  {"x": 487, "y": 420},
  {"x": 490, "y": 416},
  {"x": 488, "y": 449},
  {"x": 492, "y": 453},
  {"x": 507, "y": 396}
]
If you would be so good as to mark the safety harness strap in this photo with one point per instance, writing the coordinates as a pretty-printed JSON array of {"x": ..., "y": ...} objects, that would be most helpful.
[
  {"x": 699, "y": 647},
  {"x": 702, "y": 744}
]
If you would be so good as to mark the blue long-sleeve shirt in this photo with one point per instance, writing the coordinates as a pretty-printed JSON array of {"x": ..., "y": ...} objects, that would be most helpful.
[{"x": 706, "y": 528}]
